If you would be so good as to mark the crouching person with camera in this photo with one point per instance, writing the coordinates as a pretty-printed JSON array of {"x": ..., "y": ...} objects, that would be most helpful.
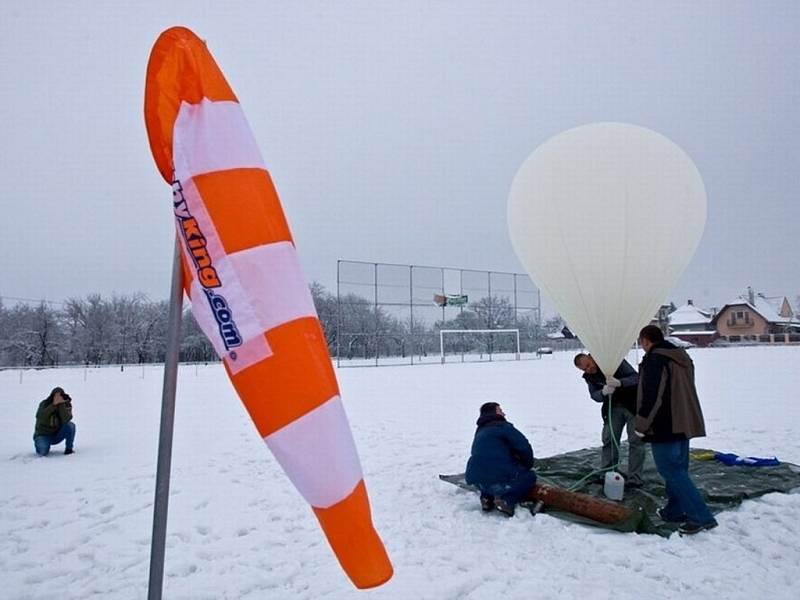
[{"x": 54, "y": 423}]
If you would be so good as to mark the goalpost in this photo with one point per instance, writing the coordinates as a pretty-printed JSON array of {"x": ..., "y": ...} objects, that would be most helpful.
[{"x": 443, "y": 332}]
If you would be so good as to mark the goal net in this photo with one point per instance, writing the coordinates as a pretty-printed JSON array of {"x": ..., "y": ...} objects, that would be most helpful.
[{"x": 479, "y": 344}]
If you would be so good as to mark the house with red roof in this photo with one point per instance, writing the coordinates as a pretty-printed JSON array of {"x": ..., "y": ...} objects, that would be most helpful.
[{"x": 758, "y": 318}]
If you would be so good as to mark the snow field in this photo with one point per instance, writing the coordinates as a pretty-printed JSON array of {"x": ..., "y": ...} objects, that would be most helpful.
[{"x": 81, "y": 524}]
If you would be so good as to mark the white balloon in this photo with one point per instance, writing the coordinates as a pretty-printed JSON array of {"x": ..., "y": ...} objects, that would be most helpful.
[{"x": 605, "y": 218}]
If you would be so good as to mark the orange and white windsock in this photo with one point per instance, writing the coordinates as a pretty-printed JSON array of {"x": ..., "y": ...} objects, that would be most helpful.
[{"x": 248, "y": 293}]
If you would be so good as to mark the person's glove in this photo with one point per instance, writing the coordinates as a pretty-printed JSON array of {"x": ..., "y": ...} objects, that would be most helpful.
[
  {"x": 613, "y": 382},
  {"x": 608, "y": 390}
]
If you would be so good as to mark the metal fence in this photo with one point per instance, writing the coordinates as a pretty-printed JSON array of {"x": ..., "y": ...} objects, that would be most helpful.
[{"x": 392, "y": 313}]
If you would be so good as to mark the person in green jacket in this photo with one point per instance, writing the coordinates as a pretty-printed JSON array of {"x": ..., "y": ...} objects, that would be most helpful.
[{"x": 54, "y": 423}]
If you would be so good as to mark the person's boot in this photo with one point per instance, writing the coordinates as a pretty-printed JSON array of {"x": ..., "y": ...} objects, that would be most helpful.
[
  {"x": 667, "y": 518},
  {"x": 536, "y": 508},
  {"x": 487, "y": 503},
  {"x": 504, "y": 507},
  {"x": 69, "y": 451},
  {"x": 690, "y": 528}
]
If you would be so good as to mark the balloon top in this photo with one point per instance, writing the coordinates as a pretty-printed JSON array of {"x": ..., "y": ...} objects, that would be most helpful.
[{"x": 605, "y": 218}]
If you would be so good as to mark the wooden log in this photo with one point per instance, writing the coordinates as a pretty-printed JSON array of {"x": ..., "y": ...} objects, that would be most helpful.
[{"x": 584, "y": 505}]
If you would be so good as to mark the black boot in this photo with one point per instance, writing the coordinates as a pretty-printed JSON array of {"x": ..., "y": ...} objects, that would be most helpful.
[{"x": 504, "y": 507}]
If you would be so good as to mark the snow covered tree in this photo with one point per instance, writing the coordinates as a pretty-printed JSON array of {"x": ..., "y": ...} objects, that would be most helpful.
[
  {"x": 90, "y": 324},
  {"x": 328, "y": 313},
  {"x": 195, "y": 346},
  {"x": 31, "y": 335},
  {"x": 490, "y": 312}
]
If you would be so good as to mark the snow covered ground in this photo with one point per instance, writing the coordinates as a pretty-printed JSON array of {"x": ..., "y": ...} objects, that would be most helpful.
[{"x": 79, "y": 526}]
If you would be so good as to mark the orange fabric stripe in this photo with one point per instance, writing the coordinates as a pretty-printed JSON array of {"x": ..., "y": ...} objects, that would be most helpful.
[
  {"x": 348, "y": 527},
  {"x": 244, "y": 207},
  {"x": 180, "y": 69},
  {"x": 296, "y": 379}
]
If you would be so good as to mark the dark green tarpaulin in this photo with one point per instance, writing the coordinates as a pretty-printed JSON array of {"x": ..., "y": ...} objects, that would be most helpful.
[{"x": 722, "y": 486}]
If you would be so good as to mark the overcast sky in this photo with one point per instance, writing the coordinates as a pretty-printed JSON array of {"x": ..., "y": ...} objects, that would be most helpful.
[{"x": 393, "y": 130}]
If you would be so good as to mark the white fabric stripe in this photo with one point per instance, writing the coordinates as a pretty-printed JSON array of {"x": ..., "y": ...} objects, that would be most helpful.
[
  {"x": 318, "y": 454},
  {"x": 245, "y": 317},
  {"x": 248, "y": 354},
  {"x": 252, "y": 348},
  {"x": 213, "y": 136},
  {"x": 275, "y": 283},
  {"x": 197, "y": 209}
]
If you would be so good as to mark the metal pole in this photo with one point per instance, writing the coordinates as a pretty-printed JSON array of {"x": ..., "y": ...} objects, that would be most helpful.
[
  {"x": 411, "y": 308},
  {"x": 441, "y": 272},
  {"x": 376, "y": 315},
  {"x": 516, "y": 310},
  {"x": 490, "y": 324},
  {"x": 538, "y": 307},
  {"x": 160, "y": 506},
  {"x": 338, "y": 315},
  {"x": 461, "y": 308}
]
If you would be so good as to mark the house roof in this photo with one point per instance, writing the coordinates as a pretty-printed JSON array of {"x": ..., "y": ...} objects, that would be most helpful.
[
  {"x": 762, "y": 305},
  {"x": 698, "y": 332},
  {"x": 689, "y": 314},
  {"x": 776, "y": 302}
]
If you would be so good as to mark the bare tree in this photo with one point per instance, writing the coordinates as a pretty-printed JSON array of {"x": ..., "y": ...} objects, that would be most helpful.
[
  {"x": 328, "y": 313},
  {"x": 195, "y": 346},
  {"x": 490, "y": 312},
  {"x": 31, "y": 335},
  {"x": 91, "y": 323}
]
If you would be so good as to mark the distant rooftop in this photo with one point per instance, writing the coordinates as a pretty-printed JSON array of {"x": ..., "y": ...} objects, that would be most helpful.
[
  {"x": 689, "y": 314},
  {"x": 768, "y": 307}
]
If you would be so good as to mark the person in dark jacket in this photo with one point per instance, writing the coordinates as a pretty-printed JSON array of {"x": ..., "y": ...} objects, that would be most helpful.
[
  {"x": 619, "y": 392},
  {"x": 501, "y": 461},
  {"x": 668, "y": 416},
  {"x": 54, "y": 423}
]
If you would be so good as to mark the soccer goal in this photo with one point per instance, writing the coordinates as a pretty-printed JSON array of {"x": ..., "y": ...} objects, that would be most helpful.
[{"x": 481, "y": 342}]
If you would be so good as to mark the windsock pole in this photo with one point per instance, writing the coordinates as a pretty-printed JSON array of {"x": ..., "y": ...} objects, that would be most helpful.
[{"x": 160, "y": 506}]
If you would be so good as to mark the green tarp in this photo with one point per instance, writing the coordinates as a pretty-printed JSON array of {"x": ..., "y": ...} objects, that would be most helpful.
[{"x": 722, "y": 486}]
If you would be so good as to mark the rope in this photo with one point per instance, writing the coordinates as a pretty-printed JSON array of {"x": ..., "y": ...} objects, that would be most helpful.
[{"x": 581, "y": 482}]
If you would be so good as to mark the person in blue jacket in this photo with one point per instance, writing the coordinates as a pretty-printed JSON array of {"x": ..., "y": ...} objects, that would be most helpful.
[{"x": 500, "y": 462}]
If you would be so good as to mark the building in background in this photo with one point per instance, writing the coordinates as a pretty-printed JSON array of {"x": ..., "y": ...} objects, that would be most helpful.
[
  {"x": 758, "y": 318},
  {"x": 692, "y": 324},
  {"x": 661, "y": 318}
]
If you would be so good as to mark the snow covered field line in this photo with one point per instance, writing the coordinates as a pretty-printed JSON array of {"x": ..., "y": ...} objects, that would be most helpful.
[{"x": 79, "y": 526}]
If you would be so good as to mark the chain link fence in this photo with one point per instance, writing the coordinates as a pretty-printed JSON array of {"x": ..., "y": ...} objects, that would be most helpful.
[{"x": 392, "y": 314}]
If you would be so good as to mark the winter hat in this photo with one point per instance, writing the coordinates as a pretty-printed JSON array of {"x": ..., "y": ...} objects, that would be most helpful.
[{"x": 489, "y": 408}]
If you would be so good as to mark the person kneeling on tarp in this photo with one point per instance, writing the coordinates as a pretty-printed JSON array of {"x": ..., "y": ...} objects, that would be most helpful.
[
  {"x": 501, "y": 461},
  {"x": 54, "y": 423}
]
